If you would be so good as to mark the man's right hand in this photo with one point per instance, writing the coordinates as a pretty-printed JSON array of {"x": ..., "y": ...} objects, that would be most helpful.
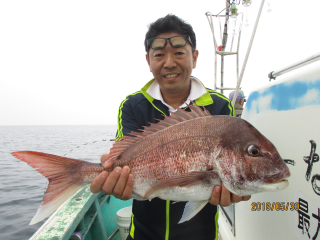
[{"x": 118, "y": 183}]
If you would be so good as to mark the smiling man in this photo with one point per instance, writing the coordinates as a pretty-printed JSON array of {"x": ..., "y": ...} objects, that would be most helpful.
[
  {"x": 171, "y": 65},
  {"x": 170, "y": 44}
]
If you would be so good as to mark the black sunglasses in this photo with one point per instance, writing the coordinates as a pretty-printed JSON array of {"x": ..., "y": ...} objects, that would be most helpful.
[{"x": 175, "y": 41}]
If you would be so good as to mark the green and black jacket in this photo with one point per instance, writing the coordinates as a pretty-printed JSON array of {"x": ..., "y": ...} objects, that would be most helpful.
[{"x": 157, "y": 219}]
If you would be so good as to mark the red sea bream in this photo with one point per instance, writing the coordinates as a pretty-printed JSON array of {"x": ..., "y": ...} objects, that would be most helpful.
[{"x": 180, "y": 158}]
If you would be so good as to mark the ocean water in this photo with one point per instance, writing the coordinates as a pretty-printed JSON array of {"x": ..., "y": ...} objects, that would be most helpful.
[{"x": 21, "y": 187}]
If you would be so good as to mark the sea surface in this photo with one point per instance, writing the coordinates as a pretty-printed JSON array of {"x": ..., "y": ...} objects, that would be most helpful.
[{"x": 21, "y": 187}]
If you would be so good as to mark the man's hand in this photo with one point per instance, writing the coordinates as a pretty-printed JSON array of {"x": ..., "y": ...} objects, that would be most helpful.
[
  {"x": 221, "y": 196},
  {"x": 118, "y": 183}
]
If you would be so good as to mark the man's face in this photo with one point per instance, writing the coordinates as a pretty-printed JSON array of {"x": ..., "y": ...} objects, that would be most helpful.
[{"x": 172, "y": 67}]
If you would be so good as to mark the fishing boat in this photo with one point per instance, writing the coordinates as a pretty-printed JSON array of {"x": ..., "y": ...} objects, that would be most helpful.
[
  {"x": 286, "y": 111},
  {"x": 86, "y": 216}
]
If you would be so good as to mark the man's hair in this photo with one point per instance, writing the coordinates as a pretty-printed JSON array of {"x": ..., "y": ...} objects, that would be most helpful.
[{"x": 170, "y": 23}]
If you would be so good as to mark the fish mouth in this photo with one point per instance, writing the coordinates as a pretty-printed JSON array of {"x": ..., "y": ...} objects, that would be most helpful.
[
  {"x": 273, "y": 178},
  {"x": 272, "y": 187},
  {"x": 277, "y": 177}
]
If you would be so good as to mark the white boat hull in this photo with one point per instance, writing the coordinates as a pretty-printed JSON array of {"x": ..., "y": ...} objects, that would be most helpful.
[{"x": 287, "y": 112}]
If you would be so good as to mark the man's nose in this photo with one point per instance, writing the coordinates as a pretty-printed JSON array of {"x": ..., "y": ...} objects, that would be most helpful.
[{"x": 169, "y": 61}]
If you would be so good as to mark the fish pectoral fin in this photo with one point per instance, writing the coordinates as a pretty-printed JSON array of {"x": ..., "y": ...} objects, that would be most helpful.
[
  {"x": 191, "y": 209},
  {"x": 184, "y": 180},
  {"x": 138, "y": 197}
]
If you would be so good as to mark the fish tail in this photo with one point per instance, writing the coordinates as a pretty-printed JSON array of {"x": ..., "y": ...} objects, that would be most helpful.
[{"x": 65, "y": 178}]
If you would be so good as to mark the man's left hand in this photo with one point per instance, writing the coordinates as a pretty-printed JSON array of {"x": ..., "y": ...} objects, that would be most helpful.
[{"x": 223, "y": 197}]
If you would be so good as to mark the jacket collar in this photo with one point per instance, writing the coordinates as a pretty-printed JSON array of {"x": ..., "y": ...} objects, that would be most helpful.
[{"x": 202, "y": 99}]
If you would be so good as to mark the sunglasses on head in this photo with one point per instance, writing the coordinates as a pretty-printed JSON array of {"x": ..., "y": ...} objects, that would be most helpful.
[{"x": 175, "y": 41}]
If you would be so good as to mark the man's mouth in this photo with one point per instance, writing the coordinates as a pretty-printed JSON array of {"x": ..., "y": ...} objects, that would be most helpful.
[{"x": 171, "y": 75}]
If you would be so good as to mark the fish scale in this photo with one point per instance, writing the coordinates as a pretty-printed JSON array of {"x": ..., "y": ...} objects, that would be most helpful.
[{"x": 180, "y": 158}]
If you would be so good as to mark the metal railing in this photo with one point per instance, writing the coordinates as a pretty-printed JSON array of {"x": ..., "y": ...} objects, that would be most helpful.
[
  {"x": 313, "y": 58},
  {"x": 222, "y": 53}
]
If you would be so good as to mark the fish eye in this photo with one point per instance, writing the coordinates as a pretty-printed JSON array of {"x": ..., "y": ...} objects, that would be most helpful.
[{"x": 253, "y": 151}]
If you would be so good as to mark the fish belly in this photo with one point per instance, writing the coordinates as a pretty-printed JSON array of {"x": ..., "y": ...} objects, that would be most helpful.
[{"x": 198, "y": 192}]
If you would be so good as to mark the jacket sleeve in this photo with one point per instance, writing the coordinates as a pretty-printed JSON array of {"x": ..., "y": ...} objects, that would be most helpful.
[
  {"x": 126, "y": 121},
  {"x": 228, "y": 109}
]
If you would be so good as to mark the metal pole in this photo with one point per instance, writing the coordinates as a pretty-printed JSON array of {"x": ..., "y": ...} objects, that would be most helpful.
[
  {"x": 113, "y": 234},
  {"x": 248, "y": 53},
  {"x": 296, "y": 65},
  {"x": 238, "y": 45},
  {"x": 233, "y": 33},
  {"x": 215, "y": 48},
  {"x": 224, "y": 42}
]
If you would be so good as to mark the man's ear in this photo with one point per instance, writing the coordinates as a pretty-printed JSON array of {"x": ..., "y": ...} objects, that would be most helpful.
[
  {"x": 195, "y": 57},
  {"x": 148, "y": 60}
]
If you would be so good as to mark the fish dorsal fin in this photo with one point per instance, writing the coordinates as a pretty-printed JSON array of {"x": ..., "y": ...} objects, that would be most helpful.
[{"x": 175, "y": 118}]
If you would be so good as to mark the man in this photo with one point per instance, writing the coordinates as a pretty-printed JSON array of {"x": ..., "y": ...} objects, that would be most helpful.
[
  {"x": 171, "y": 55},
  {"x": 238, "y": 106}
]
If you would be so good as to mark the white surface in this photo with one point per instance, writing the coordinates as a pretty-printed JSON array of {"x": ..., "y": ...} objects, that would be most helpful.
[
  {"x": 289, "y": 119},
  {"x": 123, "y": 221}
]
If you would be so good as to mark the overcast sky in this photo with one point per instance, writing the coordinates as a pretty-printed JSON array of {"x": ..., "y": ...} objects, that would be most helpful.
[{"x": 73, "y": 62}]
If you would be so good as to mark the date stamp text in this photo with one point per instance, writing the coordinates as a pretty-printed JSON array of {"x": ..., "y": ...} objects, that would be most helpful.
[{"x": 275, "y": 206}]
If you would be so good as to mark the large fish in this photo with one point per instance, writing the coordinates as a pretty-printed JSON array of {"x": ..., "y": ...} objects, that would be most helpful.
[{"x": 180, "y": 158}]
